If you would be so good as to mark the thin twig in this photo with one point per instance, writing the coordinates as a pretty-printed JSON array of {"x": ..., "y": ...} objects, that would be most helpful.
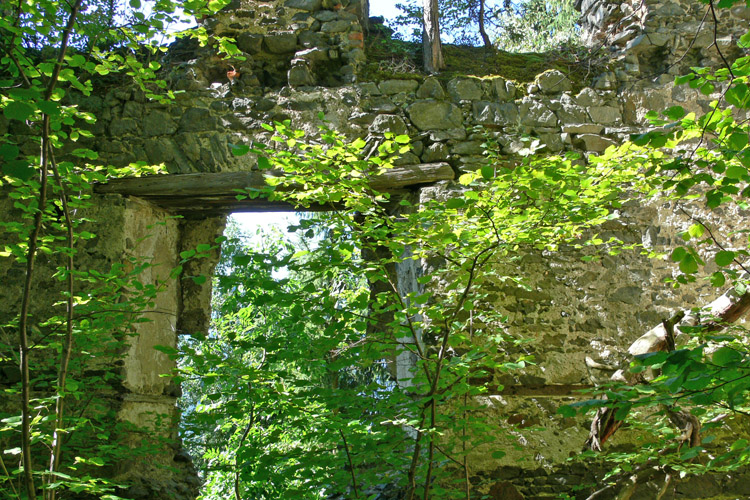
[
  {"x": 68, "y": 342},
  {"x": 351, "y": 464}
]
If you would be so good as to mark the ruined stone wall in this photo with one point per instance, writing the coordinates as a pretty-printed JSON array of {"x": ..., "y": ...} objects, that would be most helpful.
[{"x": 302, "y": 58}]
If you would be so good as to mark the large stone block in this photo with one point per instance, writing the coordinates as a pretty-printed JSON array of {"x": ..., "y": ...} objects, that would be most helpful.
[
  {"x": 492, "y": 113},
  {"x": 465, "y": 89},
  {"x": 553, "y": 82},
  {"x": 280, "y": 43},
  {"x": 308, "y": 5},
  {"x": 435, "y": 115}
]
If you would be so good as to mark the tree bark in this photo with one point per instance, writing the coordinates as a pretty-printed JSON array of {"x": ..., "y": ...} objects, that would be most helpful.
[
  {"x": 433, "y": 51},
  {"x": 728, "y": 308},
  {"x": 482, "y": 31}
]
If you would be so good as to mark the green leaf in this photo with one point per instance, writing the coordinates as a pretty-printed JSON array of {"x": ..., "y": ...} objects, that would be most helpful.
[
  {"x": 76, "y": 60},
  {"x": 678, "y": 254},
  {"x": 19, "y": 169},
  {"x": 242, "y": 260},
  {"x": 498, "y": 454},
  {"x": 402, "y": 139},
  {"x": 724, "y": 258},
  {"x": 567, "y": 411},
  {"x": 187, "y": 254},
  {"x": 198, "y": 280},
  {"x": 455, "y": 203},
  {"x": 726, "y": 356},
  {"x": 688, "y": 264},
  {"x": 681, "y": 80},
  {"x": 8, "y": 151},
  {"x": 239, "y": 149},
  {"x": 690, "y": 453},
  {"x": 488, "y": 172},
  {"x": 175, "y": 272},
  {"x": 736, "y": 172},
  {"x": 707, "y": 88},
  {"x": 737, "y": 140},
  {"x": 263, "y": 163},
  {"x": 696, "y": 230},
  {"x": 738, "y": 95},
  {"x": 717, "y": 279},
  {"x": 675, "y": 112},
  {"x": 17, "y": 110}
]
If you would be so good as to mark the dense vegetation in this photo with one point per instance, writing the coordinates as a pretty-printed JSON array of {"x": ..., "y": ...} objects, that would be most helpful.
[{"x": 294, "y": 394}]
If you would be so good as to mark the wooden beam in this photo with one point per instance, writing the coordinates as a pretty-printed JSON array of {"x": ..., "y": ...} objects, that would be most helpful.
[{"x": 209, "y": 193}]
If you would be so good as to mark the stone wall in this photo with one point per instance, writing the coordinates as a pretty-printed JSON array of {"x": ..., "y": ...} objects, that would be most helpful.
[{"x": 302, "y": 58}]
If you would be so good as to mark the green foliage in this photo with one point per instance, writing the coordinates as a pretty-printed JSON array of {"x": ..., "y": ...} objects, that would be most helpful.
[
  {"x": 537, "y": 26},
  {"x": 524, "y": 26},
  {"x": 700, "y": 165},
  {"x": 73, "y": 316},
  {"x": 304, "y": 389}
]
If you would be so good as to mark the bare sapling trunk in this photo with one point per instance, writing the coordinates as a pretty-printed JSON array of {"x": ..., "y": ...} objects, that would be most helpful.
[{"x": 433, "y": 51}]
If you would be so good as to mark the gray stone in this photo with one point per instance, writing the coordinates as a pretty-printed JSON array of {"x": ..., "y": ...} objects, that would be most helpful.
[
  {"x": 381, "y": 104},
  {"x": 197, "y": 120},
  {"x": 553, "y": 82},
  {"x": 280, "y": 43},
  {"x": 389, "y": 87},
  {"x": 123, "y": 126},
  {"x": 300, "y": 75},
  {"x": 250, "y": 42},
  {"x": 552, "y": 142},
  {"x": 435, "y": 152},
  {"x": 159, "y": 150},
  {"x": 536, "y": 114},
  {"x": 571, "y": 113},
  {"x": 338, "y": 26},
  {"x": 741, "y": 12},
  {"x": 431, "y": 89},
  {"x": 589, "y": 97},
  {"x": 492, "y": 113},
  {"x": 309, "y": 38},
  {"x": 132, "y": 109},
  {"x": 389, "y": 123},
  {"x": 368, "y": 88},
  {"x": 407, "y": 158},
  {"x": 465, "y": 89},
  {"x": 325, "y": 15},
  {"x": 458, "y": 134},
  {"x": 605, "y": 114},
  {"x": 468, "y": 148},
  {"x": 583, "y": 128},
  {"x": 158, "y": 122},
  {"x": 435, "y": 115},
  {"x": 606, "y": 81},
  {"x": 627, "y": 294},
  {"x": 592, "y": 142},
  {"x": 308, "y": 5},
  {"x": 348, "y": 16},
  {"x": 501, "y": 89},
  {"x": 315, "y": 54}
]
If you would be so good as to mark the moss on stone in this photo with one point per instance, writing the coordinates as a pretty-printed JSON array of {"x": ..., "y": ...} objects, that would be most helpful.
[{"x": 388, "y": 58}]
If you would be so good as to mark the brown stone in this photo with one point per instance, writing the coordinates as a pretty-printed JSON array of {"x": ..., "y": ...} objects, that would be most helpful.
[{"x": 505, "y": 491}]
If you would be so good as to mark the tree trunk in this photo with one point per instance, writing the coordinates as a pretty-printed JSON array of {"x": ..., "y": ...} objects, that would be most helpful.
[
  {"x": 482, "y": 31},
  {"x": 728, "y": 308},
  {"x": 433, "y": 52}
]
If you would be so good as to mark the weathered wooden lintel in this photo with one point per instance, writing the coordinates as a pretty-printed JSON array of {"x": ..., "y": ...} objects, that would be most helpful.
[{"x": 210, "y": 193}]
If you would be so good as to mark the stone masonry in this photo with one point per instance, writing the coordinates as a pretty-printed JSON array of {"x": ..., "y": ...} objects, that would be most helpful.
[{"x": 303, "y": 58}]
